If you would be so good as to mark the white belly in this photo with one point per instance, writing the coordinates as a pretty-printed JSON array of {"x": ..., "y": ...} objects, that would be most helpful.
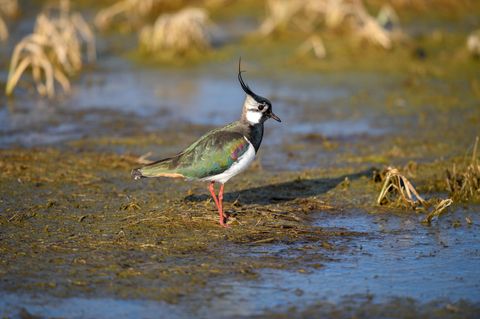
[{"x": 237, "y": 167}]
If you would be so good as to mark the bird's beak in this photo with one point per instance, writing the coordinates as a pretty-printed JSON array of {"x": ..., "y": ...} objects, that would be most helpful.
[{"x": 273, "y": 116}]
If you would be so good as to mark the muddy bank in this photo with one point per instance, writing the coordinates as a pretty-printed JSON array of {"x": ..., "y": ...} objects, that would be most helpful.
[{"x": 74, "y": 225}]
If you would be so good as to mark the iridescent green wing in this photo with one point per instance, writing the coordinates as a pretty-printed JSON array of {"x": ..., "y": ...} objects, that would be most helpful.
[{"x": 213, "y": 154}]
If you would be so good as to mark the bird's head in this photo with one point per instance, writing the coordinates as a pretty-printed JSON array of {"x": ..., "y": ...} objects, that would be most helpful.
[{"x": 256, "y": 108}]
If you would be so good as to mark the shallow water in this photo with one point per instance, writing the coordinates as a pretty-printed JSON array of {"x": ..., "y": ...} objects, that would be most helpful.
[
  {"x": 399, "y": 258},
  {"x": 396, "y": 258},
  {"x": 11, "y": 306},
  {"x": 206, "y": 95}
]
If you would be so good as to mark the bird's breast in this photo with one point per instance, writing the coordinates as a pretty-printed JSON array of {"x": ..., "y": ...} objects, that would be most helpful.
[{"x": 237, "y": 167}]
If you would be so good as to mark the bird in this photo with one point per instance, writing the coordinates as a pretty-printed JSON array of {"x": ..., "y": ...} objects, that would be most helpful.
[{"x": 221, "y": 153}]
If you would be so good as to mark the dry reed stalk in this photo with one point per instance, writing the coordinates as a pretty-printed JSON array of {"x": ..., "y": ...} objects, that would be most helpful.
[
  {"x": 306, "y": 15},
  {"x": 313, "y": 44},
  {"x": 126, "y": 11},
  {"x": 178, "y": 34},
  {"x": 3, "y": 30},
  {"x": 473, "y": 43},
  {"x": 69, "y": 30},
  {"x": 8, "y": 8},
  {"x": 465, "y": 184},
  {"x": 368, "y": 28},
  {"x": 426, "y": 5},
  {"x": 334, "y": 13},
  {"x": 437, "y": 210},
  {"x": 53, "y": 51},
  {"x": 400, "y": 187},
  {"x": 33, "y": 52},
  {"x": 398, "y": 191},
  {"x": 280, "y": 13}
]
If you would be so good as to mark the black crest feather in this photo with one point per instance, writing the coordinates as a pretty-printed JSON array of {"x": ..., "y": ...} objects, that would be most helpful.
[{"x": 245, "y": 87}]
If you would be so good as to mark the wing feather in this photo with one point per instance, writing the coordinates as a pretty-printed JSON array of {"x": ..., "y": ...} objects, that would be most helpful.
[{"x": 212, "y": 155}]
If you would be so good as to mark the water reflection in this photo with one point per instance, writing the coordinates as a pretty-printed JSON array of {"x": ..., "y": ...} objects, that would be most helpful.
[{"x": 399, "y": 258}]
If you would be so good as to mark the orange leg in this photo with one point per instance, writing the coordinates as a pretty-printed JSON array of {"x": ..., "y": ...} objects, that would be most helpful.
[
  {"x": 212, "y": 192},
  {"x": 218, "y": 203}
]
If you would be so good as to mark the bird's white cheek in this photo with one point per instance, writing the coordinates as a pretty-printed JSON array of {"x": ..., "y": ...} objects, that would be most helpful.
[{"x": 254, "y": 117}]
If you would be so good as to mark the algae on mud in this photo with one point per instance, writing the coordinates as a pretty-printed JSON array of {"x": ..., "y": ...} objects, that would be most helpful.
[{"x": 72, "y": 222}]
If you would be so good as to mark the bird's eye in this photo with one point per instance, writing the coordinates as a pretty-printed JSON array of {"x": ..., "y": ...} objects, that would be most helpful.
[{"x": 261, "y": 106}]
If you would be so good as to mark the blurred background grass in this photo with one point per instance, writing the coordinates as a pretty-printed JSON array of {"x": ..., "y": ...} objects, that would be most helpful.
[{"x": 309, "y": 35}]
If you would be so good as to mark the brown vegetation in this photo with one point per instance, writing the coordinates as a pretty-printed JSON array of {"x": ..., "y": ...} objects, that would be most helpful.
[
  {"x": 463, "y": 183},
  {"x": 129, "y": 11},
  {"x": 53, "y": 51},
  {"x": 398, "y": 191},
  {"x": 178, "y": 34},
  {"x": 307, "y": 15},
  {"x": 8, "y": 8},
  {"x": 473, "y": 43}
]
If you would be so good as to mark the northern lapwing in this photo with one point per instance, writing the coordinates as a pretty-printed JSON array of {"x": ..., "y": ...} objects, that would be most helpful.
[{"x": 221, "y": 153}]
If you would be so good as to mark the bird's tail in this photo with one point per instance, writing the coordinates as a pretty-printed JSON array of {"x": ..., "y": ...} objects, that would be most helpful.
[
  {"x": 162, "y": 168},
  {"x": 137, "y": 174}
]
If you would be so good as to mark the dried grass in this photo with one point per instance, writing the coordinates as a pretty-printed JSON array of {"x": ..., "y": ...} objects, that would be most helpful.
[
  {"x": 280, "y": 15},
  {"x": 186, "y": 31},
  {"x": 134, "y": 14},
  {"x": 34, "y": 52},
  {"x": 464, "y": 183},
  {"x": 437, "y": 210},
  {"x": 3, "y": 30},
  {"x": 8, "y": 8},
  {"x": 426, "y": 5},
  {"x": 53, "y": 51},
  {"x": 127, "y": 11},
  {"x": 473, "y": 43},
  {"x": 313, "y": 44},
  {"x": 307, "y": 15},
  {"x": 398, "y": 191}
]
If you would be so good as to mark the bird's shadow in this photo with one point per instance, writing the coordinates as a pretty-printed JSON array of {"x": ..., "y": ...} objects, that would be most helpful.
[{"x": 286, "y": 191}]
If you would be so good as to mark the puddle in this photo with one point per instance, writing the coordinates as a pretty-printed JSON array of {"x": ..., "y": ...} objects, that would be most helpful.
[
  {"x": 18, "y": 305},
  {"x": 208, "y": 95},
  {"x": 339, "y": 129},
  {"x": 399, "y": 258}
]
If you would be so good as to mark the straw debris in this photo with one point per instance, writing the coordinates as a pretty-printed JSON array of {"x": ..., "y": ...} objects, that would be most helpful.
[
  {"x": 8, "y": 9},
  {"x": 464, "y": 184},
  {"x": 439, "y": 208},
  {"x": 314, "y": 45},
  {"x": 307, "y": 15},
  {"x": 53, "y": 51},
  {"x": 473, "y": 43},
  {"x": 179, "y": 33},
  {"x": 426, "y": 5},
  {"x": 127, "y": 12},
  {"x": 398, "y": 190},
  {"x": 3, "y": 30}
]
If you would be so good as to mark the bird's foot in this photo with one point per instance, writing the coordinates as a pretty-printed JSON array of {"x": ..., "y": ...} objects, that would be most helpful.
[
  {"x": 223, "y": 221},
  {"x": 136, "y": 174}
]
